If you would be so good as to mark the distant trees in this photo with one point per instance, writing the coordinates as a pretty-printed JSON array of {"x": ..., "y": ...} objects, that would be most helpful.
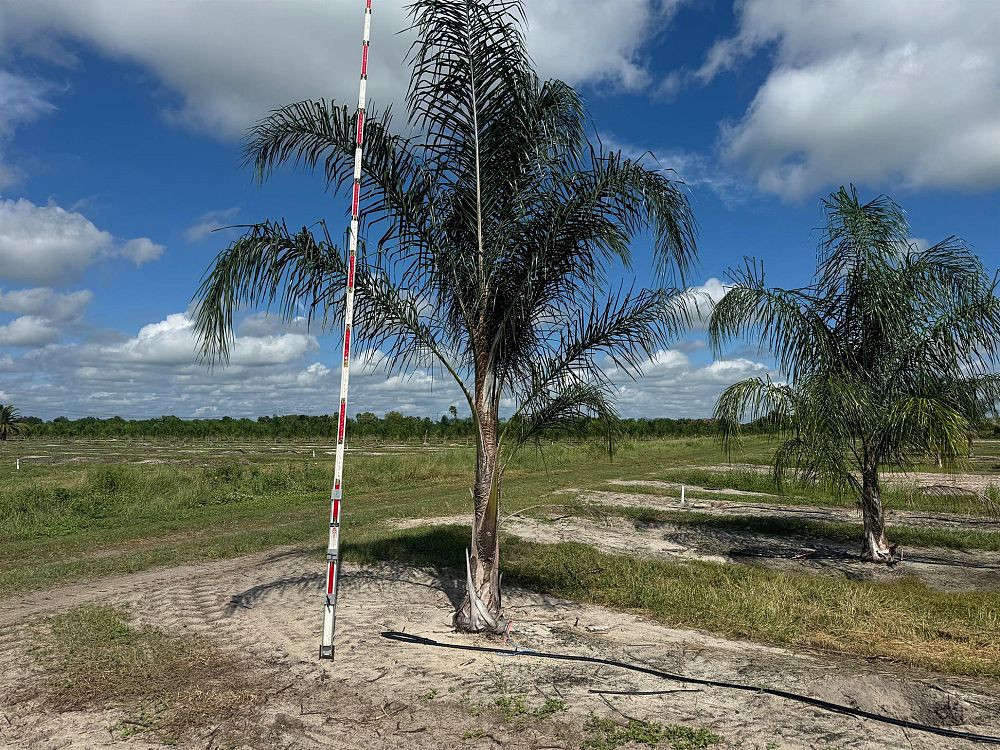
[
  {"x": 889, "y": 355},
  {"x": 11, "y": 423},
  {"x": 365, "y": 426}
]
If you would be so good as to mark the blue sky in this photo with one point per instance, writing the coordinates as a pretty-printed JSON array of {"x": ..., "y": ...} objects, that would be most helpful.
[{"x": 120, "y": 130}]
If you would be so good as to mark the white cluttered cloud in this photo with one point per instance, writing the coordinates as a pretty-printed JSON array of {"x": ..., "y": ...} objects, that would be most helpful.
[
  {"x": 49, "y": 244},
  {"x": 892, "y": 91},
  {"x": 232, "y": 62},
  {"x": 278, "y": 368}
]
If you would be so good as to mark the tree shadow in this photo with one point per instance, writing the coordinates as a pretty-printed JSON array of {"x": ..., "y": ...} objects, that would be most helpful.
[{"x": 437, "y": 550}]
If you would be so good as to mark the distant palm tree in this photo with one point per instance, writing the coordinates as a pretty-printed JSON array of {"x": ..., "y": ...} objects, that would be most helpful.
[
  {"x": 11, "y": 424},
  {"x": 889, "y": 354},
  {"x": 499, "y": 223}
]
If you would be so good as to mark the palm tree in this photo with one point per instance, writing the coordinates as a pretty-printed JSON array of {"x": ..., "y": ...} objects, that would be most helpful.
[
  {"x": 11, "y": 424},
  {"x": 499, "y": 222},
  {"x": 888, "y": 354}
]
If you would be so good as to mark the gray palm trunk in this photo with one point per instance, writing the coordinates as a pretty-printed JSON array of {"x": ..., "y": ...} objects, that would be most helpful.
[
  {"x": 875, "y": 547},
  {"x": 481, "y": 610}
]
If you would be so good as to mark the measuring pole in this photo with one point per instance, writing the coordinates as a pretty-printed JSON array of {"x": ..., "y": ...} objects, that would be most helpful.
[{"x": 337, "y": 495}]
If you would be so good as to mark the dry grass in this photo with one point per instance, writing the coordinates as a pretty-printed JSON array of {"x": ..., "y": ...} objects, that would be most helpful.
[{"x": 164, "y": 684}]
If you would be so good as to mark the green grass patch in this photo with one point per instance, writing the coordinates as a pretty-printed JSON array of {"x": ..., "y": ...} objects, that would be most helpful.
[
  {"x": 61, "y": 522},
  {"x": 606, "y": 734},
  {"x": 514, "y": 709}
]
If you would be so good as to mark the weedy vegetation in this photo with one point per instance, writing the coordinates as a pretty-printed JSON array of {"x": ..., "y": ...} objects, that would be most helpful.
[{"x": 163, "y": 684}]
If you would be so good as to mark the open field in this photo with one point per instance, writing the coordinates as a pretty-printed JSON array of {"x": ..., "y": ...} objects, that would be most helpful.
[{"x": 188, "y": 576}]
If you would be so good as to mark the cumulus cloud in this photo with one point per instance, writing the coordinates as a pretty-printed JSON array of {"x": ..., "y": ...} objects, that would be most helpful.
[
  {"x": 263, "y": 324},
  {"x": 594, "y": 41},
  {"x": 155, "y": 371},
  {"x": 172, "y": 342},
  {"x": 702, "y": 299},
  {"x": 209, "y": 222},
  {"x": 141, "y": 251},
  {"x": 672, "y": 385},
  {"x": 230, "y": 63},
  {"x": 28, "y": 331},
  {"x": 48, "y": 244},
  {"x": 46, "y": 303},
  {"x": 894, "y": 91}
]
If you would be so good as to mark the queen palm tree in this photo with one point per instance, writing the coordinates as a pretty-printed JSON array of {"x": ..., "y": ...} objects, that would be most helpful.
[
  {"x": 498, "y": 223},
  {"x": 11, "y": 424},
  {"x": 889, "y": 354}
]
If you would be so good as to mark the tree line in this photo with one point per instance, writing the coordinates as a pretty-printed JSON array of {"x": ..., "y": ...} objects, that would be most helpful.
[{"x": 364, "y": 426}]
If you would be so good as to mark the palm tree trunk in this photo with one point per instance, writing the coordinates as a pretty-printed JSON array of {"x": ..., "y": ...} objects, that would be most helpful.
[
  {"x": 481, "y": 610},
  {"x": 876, "y": 546}
]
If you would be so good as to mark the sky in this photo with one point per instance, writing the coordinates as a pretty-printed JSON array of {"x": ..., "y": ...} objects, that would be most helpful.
[{"x": 120, "y": 155}]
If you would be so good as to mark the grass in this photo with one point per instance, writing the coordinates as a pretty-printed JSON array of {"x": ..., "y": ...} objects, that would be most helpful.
[
  {"x": 165, "y": 684},
  {"x": 901, "y": 621},
  {"x": 606, "y": 734},
  {"x": 66, "y": 522},
  {"x": 71, "y": 522},
  {"x": 514, "y": 709}
]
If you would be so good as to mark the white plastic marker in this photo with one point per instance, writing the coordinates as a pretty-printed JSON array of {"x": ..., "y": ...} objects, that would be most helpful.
[{"x": 337, "y": 496}]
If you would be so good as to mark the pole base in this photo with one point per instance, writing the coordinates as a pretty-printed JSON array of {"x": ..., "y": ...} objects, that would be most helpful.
[{"x": 326, "y": 652}]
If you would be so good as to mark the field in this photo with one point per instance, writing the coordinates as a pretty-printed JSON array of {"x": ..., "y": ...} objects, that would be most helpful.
[{"x": 158, "y": 593}]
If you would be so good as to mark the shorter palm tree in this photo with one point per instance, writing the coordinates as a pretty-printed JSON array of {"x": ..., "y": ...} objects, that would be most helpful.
[
  {"x": 11, "y": 424},
  {"x": 889, "y": 355}
]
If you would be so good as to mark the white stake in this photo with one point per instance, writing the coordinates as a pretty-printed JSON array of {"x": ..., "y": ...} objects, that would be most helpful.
[
  {"x": 682, "y": 494},
  {"x": 18, "y": 464},
  {"x": 336, "y": 496}
]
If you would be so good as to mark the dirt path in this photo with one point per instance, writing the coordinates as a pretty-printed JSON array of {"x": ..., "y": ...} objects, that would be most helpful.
[
  {"x": 972, "y": 483},
  {"x": 380, "y": 695},
  {"x": 801, "y": 512},
  {"x": 942, "y": 569}
]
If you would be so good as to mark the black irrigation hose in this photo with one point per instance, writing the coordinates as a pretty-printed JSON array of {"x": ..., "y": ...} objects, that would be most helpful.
[{"x": 393, "y": 635}]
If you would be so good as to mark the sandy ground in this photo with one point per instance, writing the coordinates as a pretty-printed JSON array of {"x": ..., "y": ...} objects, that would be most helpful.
[
  {"x": 733, "y": 508},
  {"x": 973, "y": 483},
  {"x": 943, "y": 569},
  {"x": 267, "y": 608}
]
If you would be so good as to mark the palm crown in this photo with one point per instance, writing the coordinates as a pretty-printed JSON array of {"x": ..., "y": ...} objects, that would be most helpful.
[
  {"x": 11, "y": 424},
  {"x": 889, "y": 353},
  {"x": 496, "y": 224}
]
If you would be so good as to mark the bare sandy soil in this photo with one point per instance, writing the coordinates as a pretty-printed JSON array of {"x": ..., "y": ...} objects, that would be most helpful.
[
  {"x": 381, "y": 695},
  {"x": 803, "y": 512},
  {"x": 969, "y": 482},
  {"x": 943, "y": 569}
]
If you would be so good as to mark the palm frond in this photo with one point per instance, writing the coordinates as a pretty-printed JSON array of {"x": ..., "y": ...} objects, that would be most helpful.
[
  {"x": 784, "y": 322},
  {"x": 757, "y": 400},
  {"x": 268, "y": 266}
]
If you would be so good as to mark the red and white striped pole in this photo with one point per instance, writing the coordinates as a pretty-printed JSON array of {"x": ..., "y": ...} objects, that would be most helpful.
[{"x": 337, "y": 495}]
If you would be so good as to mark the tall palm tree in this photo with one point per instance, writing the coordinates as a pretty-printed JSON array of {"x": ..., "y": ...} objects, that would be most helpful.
[
  {"x": 888, "y": 354},
  {"x": 498, "y": 223},
  {"x": 11, "y": 424}
]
